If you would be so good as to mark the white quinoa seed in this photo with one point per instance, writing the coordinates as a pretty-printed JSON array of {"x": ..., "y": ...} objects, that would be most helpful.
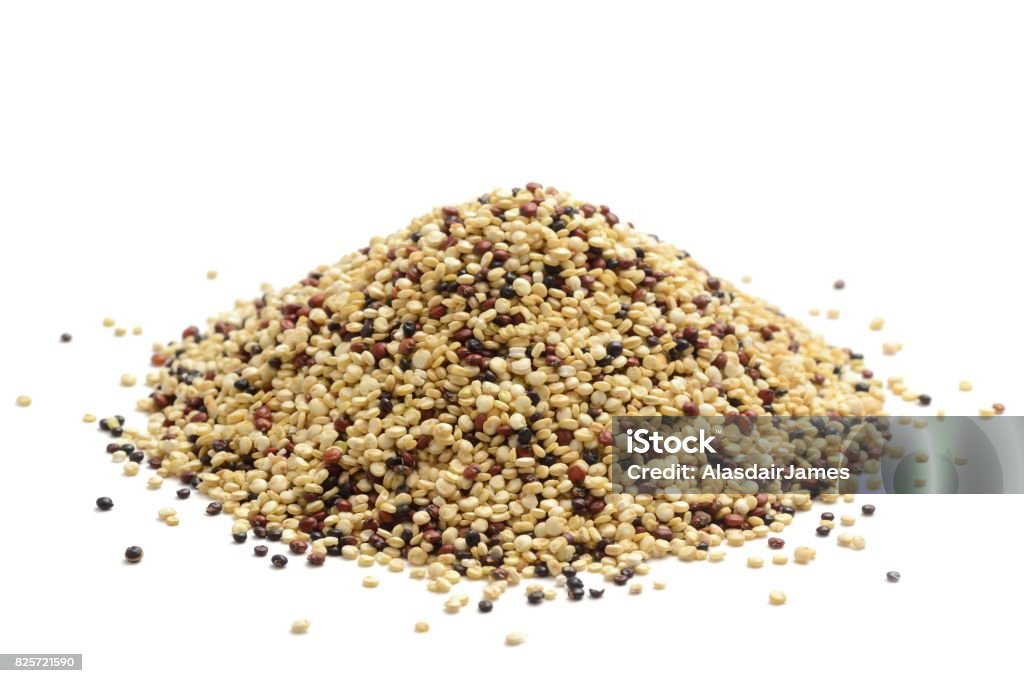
[
  {"x": 88, "y": 418},
  {"x": 803, "y": 554},
  {"x": 515, "y": 638},
  {"x": 23, "y": 401},
  {"x": 127, "y": 380},
  {"x": 877, "y": 324},
  {"x": 300, "y": 626},
  {"x": 777, "y": 598},
  {"x": 108, "y": 322},
  {"x": 120, "y": 332},
  {"x": 370, "y": 582},
  {"x": 965, "y": 385},
  {"x": 211, "y": 275},
  {"x": 659, "y": 585},
  {"x": 755, "y": 562}
]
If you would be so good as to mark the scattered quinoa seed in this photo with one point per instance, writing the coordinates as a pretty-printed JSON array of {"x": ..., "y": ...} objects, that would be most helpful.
[
  {"x": 803, "y": 554},
  {"x": 877, "y": 324},
  {"x": 892, "y": 577},
  {"x": 965, "y": 385},
  {"x": 300, "y": 626},
  {"x": 108, "y": 322},
  {"x": 832, "y": 314},
  {"x": 998, "y": 408},
  {"x": 133, "y": 553},
  {"x": 104, "y": 503},
  {"x": 65, "y": 337},
  {"x": 867, "y": 510},
  {"x": 127, "y": 380},
  {"x": 24, "y": 401},
  {"x": 211, "y": 275},
  {"x": 88, "y": 418},
  {"x": 370, "y": 582},
  {"x": 423, "y": 627},
  {"x": 515, "y": 638},
  {"x": 777, "y": 598},
  {"x": 839, "y": 284}
]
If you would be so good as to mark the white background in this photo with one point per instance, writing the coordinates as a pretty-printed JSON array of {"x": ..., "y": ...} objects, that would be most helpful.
[{"x": 142, "y": 144}]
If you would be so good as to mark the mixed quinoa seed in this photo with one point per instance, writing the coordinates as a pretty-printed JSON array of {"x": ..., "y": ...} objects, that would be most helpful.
[{"x": 444, "y": 396}]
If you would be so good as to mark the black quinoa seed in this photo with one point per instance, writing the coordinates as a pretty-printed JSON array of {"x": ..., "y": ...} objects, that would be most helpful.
[
  {"x": 576, "y": 594},
  {"x": 574, "y": 582},
  {"x": 485, "y": 606},
  {"x": 65, "y": 338},
  {"x": 568, "y": 572},
  {"x": 274, "y": 533},
  {"x": 279, "y": 560},
  {"x": 867, "y": 510},
  {"x": 214, "y": 508},
  {"x": 596, "y": 592},
  {"x": 828, "y": 515},
  {"x": 183, "y": 493},
  {"x": 104, "y": 503},
  {"x": 133, "y": 553},
  {"x": 535, "y": 597},
  {"x": 260, "y": 550},
  {"x": 823, "y": 531},
  {"x": 924, "y": 399},
  {"x": 620, "y": 580},
  {"x": 892, "y": 577},
  {"x": 239, "y": 537}
]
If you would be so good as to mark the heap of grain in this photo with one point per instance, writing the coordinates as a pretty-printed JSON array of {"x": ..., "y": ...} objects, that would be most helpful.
[{"x": 446, "y": 393}]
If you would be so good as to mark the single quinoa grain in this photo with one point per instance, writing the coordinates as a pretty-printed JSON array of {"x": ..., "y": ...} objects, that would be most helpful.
[
  {"x": 23, "y": 401},
  {"x": 300, "y": 626},
  {"x": 133, "y": 554},
  {"x": 515, "y": 638},
  {"x": 777, "y": 598},
  {"x": 892, "y": 577},
  {"x": 422, "y": 626}
]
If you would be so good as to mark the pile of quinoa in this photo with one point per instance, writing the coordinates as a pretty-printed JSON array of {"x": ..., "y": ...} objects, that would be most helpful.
[{"x": 444, "y": 396}]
